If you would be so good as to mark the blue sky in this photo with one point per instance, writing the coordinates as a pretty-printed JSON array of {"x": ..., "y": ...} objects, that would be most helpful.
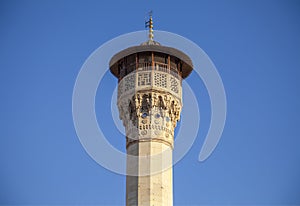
[{"x": 255, "y": 46}]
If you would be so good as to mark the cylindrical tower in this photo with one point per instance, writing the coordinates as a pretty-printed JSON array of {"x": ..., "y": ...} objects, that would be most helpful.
[{"x": 150, "y": 101}]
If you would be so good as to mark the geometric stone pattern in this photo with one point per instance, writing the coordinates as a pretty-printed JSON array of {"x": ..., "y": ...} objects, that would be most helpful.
[
  {"x": 159, "y": 80},
  {"x": 129, "y": 83},
  {"x": 174, "y": 84},
  {"x": 144, "y": 78}
]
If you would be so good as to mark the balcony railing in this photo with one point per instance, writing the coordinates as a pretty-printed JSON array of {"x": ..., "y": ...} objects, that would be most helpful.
[{"x": 148, "y": 66}]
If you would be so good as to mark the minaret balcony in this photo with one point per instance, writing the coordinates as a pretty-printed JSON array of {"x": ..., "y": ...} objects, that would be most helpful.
[{"x": 147, "y": 77}]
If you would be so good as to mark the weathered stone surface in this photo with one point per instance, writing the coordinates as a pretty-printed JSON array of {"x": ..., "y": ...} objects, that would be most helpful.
[{"x": 149, "y": 104}]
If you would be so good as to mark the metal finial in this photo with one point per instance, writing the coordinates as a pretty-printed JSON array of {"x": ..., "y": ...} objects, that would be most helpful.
[{"x": 150, "y": 25}]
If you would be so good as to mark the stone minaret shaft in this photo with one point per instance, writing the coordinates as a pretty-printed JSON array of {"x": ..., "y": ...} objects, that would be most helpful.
[{"x": 150, "y": 102}]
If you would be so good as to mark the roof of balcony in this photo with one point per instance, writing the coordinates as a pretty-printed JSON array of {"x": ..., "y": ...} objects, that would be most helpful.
[{"x": 152, "y": 46}]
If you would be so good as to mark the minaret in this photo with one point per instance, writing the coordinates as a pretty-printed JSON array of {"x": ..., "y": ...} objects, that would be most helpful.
[{"x": 149, "y": 102}]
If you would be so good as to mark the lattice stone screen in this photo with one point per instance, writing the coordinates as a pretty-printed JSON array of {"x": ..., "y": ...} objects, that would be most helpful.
[
  {"x": 129, "y": 82},
  {"x": 160, "y": 80},
  {"x": 155, "y": 79},
  {"x": 174, "y": 85},
  {"x": 144, "y": 78}
]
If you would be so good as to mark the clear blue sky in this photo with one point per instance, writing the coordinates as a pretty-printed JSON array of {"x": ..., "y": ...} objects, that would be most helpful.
[{"x": 255, "y": 46}]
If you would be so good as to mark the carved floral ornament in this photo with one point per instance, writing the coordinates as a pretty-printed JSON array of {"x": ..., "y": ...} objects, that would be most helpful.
[{"x": 145, "y": 104}]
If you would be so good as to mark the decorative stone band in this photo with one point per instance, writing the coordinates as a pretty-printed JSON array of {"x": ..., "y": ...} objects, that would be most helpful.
[
  {"x": 130, "y": 142},
  {"x": 150, "y": 115},
  {"x": 164, "y": 81}
]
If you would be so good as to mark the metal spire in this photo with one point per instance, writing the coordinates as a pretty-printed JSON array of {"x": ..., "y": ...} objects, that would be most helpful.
[{"x": 149, "y": 24}]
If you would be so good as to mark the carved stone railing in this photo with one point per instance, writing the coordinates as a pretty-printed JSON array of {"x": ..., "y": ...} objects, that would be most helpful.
[{"x": 147, "y": 79}]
